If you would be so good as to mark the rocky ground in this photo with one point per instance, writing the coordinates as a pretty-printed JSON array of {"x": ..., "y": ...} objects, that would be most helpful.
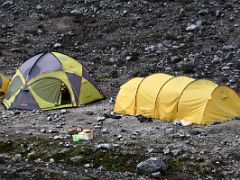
[
  {"x": 117, "y": 40},
  {"x": 37, "y": 145}
]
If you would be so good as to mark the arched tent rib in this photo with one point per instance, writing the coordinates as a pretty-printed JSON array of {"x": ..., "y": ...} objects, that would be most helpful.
[
  {"x": 126, "y": 99},
  {"x": 168, "y": 98},
  {"x": 146, "y": 96},
  {"x": 193, "y": 100}
]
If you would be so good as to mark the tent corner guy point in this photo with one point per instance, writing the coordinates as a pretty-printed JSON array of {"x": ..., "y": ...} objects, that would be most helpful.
[
  {"x": 49, "y": 81},
  {"x": 170, "y": 98}
]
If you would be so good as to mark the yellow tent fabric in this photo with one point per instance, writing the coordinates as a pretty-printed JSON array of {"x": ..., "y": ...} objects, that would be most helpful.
[
  {"x": 4, "y": 82},
  {"x": 193, "y": 100},
  {"x": 167, "y": 100},
  {"x": 125, "y": 102},
  {"x": 165, "y": 97},
  {"x": 147, "y": 93},
  {"x": 51, "y": 80},
  {"x": 204, "y": 102}
]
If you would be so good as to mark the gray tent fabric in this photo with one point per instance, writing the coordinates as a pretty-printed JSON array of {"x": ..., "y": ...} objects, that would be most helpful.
[
  {"x": 24, "y": 100},
  {"x": 76, "y": 84},
  {"x": 40, "y": 64},
  {"x": 1, "y": 81},
  {"x": 46, "y": 63},
  {"x": 26, "y": 66},
  {"x": 87, "y": 76}
]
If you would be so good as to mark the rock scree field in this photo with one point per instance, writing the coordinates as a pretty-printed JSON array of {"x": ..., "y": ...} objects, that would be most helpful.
[{"x": 117, "y": 40}]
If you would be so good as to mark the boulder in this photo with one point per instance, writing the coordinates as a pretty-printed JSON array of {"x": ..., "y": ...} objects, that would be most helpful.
[{"x": 151, "y": 165}]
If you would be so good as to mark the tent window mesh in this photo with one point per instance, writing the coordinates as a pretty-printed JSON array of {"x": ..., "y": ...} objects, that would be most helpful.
[{"x": 14, "y": 87}]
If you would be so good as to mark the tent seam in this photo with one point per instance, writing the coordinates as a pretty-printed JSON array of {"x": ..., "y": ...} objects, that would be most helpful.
[{"x": 160, "y": 89}]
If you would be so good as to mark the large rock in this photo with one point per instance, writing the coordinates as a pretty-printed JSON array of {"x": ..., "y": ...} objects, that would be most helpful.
[{"x": 151, "y": 165}]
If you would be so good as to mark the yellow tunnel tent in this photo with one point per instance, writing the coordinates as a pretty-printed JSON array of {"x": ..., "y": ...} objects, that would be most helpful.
[
  {"x": 4, "y": 82},
  {"x": 49, "y": 81},
  {"x": 166, "y": 97}
]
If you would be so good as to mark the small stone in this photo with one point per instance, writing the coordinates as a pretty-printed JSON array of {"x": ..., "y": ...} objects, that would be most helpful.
[
  {"x": 116, "y": 145},
  {"x": 17, "y": 158},
  {"x": 76, "y": 159},
  {"x": 57, "y": 45},
  {"x": 136, "y": 133},
  {"x": 57, "y": 137},
  {"x": 43, "y": 130},
  {"x": 218, "y": 13},
  {"x": 112, "y": 115},
  {"x": 150, "y": 150},
  {"x": 103, "y": 146},
  {"x": 39, "y": 7},
  {"x": 51, "y": 160},
  {"x": 38, "y": 111},
  {"x": 196, "y": 26},
  {"x": 100, "y": 119},
  {"x": 156, "y": 175},
  {"x": 65, "y": 172},
  {"x": 225, "y": 68},
  {"x": 63, "y": 111},
  {"x": 119, "y": 136},
  {"x": 67, "y": 145},
  {"x": 97, "y": 127},
  {"x": 202, "y": 12},
  {"x": 49, "y": 118},
  {"x": 166, "y": 150},
  {"x": 228, "y": 47},
  {"x": 7, "y": 4},
  {"x": 105, "y": 131},
  {"x": 87, "y": 165},
  {"x": 128, "y": 58},
  {"x": 59, "y": 126}
]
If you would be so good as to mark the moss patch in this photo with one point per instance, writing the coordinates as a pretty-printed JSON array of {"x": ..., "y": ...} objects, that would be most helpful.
[{"x": 114, "y": 161}]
